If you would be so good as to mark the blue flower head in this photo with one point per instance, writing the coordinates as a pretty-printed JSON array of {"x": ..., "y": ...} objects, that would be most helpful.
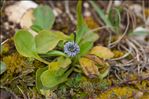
[{"x": 71, "y": 49}]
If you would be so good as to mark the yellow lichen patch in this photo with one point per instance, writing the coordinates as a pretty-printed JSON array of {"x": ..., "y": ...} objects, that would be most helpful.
[
  {"x": 15, "y": 63},
  {"x": 118, "y": 93},
  {"x": 91, "y": 23}
]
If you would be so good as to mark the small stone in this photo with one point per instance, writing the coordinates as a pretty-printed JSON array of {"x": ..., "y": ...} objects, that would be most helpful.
[
  {"x": 17, "y": 10},
  {"x": 86, "y": 5},
  {"x": 6, "y": 25}
]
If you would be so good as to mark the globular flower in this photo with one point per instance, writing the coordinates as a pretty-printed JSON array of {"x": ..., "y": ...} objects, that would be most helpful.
[{"x": 71, "y": 49}]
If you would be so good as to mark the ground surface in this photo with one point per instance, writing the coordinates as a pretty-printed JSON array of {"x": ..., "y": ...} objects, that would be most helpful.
[{"x": 129, "y": 69}]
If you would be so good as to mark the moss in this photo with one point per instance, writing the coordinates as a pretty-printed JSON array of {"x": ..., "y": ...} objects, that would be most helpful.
[
  {"x": 20, "y": 73},
  {"x": 142, "y": 85},
  {"x": 37, "y": 64},
  {"x": 15, "y": 63},
  {"x": 7, "y": 48},
  {"x": 87, "y": 87}
]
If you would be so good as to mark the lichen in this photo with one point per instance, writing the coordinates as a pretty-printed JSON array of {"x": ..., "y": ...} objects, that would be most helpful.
[{"x": 118, "y": 92}]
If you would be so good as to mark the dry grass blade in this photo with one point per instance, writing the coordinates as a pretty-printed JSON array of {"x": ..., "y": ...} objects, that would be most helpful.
[{"x": 125, "y": 32}]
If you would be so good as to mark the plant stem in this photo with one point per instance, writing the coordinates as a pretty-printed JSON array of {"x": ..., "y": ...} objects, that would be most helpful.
[{"x": 40, "y": 59}]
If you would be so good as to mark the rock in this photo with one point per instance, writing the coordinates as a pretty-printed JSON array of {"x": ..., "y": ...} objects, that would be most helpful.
[
  {"x": 137, "y": 9},
  {"x": 117, "y": 2},
  {"x": 27, "y": 19},
  {"x": 17, "y": 10}
]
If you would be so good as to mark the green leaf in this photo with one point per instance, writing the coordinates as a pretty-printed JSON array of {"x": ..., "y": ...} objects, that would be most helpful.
[
  {"x": 54, "y": 53},
  {"x": 87, "y": 42},
  {"x": 50, "y": 79},
  {"x": 80, "y": 20},
  {"x": 36, "y": 28},
  {"x": 2, "y": 67},
  {"x": 44, "y": 17},
  {"x": 82, "y": 34},
  {"x": 60, "y": 66},
  {"x": 54, "y": 66},
  {"x": 64, "y": 62},
  {"x": 81, "y": 26},
  {"x": 89, "y": 37},
  {"x": 139, "y": 33},
  {"x": 85, "y": 47},
  {"x": 39, "y": 85},
  {"x": 115, "y": 18},
  {"x": 46, "y": 93},
  {"x": 47, "y": 40},
  {"x": 25, "y": 43},
  {"x": 101, "y": 14},
  {"x": 57, "y": 73}
]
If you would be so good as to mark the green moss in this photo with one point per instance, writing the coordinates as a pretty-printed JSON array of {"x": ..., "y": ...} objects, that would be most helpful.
[
  {"x": 15, "y": 63},
  {"x": 20, "y": 73},
  {"x": 7, "y": 47}
]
